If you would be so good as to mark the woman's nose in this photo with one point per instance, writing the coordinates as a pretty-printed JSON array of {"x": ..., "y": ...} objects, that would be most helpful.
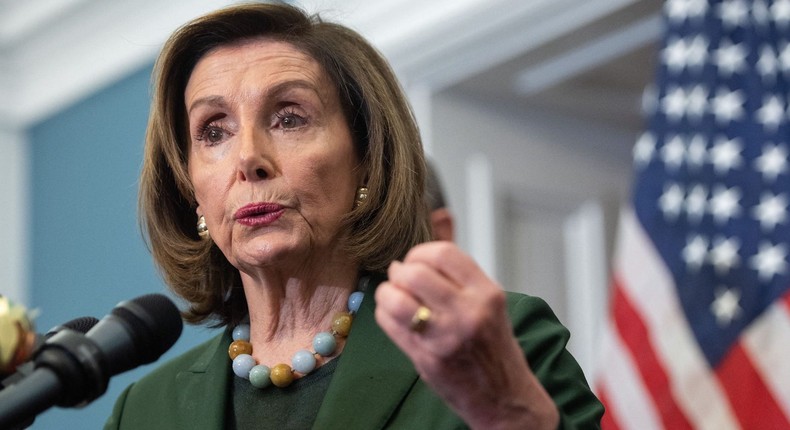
[{"x": 255, "y": 158}]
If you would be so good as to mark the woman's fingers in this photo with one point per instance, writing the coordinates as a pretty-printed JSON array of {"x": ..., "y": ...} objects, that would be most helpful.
[{"x": 447, "y": 259}]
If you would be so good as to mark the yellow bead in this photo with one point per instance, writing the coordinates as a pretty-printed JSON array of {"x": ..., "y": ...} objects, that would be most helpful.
[
  {"x": 341, "y": 323},
  {"x": 281, "y": 375},
  {"x": 239, "y": 347}
]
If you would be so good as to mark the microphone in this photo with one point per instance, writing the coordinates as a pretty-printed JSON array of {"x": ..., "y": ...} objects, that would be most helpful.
[
  {"x": 73, "y": 369},
  {"x": 81, "y": 325}
]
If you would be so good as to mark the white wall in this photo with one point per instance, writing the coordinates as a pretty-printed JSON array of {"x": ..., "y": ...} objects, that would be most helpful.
[{"x": 13, "y": 215}]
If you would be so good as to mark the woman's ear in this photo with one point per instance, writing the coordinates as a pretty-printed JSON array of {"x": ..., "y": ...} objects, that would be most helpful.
[{"x": 442, "y": 225}]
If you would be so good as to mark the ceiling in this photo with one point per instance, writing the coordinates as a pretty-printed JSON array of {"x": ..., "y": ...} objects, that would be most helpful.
[{"x": 590, "y": 59}]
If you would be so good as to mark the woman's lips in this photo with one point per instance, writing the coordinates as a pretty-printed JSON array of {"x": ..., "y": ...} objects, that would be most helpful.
[{"x": 258, "y": 214}]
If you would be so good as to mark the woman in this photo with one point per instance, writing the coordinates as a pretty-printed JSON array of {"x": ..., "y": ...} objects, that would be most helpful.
[{"x": 282, "y": 181}]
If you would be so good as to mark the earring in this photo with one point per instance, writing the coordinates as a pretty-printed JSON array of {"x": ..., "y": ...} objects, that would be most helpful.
[
  {"x": 202, "y": 228},
  {"x": 362, "y": 195}
]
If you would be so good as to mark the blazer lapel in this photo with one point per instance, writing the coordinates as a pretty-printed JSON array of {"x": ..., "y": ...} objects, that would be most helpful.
[
  {"x": 371, "y": 379},
  {"x": 203, "y": 391}
]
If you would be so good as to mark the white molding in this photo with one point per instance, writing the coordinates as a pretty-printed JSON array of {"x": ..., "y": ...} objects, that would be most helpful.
[
  {"x": 586, "y": 280},
  {"x": 595, "y": 53},
  {"x": 481, "y": 204},
  {"x": 14, "y": 167}
]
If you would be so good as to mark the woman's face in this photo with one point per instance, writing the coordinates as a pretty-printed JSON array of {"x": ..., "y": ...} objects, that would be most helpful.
[{"x": 271, "y": 156}]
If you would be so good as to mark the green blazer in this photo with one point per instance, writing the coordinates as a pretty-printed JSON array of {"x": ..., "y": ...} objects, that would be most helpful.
[{"x": 374, "y": 386}]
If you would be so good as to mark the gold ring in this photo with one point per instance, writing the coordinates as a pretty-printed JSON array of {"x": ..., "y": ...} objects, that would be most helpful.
[{"x": 420, "y": 319}]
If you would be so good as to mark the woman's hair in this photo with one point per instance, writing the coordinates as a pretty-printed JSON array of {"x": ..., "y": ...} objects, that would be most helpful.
[{"x": 386, "y": 138}]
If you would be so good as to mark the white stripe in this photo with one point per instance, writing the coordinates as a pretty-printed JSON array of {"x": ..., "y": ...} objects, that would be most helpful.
[
  {"x": 650, "y": 287},
  {"x": 767, "y": 343},
  {"x": 624, "y": 388}
]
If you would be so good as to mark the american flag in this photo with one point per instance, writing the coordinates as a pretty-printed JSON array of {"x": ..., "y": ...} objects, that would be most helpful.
[{"x": 699, "y": 328}]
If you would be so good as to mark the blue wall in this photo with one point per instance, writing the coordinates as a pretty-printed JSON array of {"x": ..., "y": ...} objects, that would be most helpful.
[{"x": 87, "y": 250}]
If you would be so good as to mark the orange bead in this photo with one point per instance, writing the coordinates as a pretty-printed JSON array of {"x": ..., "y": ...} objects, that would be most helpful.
[
  {"x": 341, "y": 323},
  {"x": 239, "y": 347},
  {"x": 281, "y": 375}
]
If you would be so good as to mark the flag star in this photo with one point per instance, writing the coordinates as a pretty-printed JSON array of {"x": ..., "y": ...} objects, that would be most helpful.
[
  {"x": 784, "y": 57},
  {"x": 644, "y": 149},
  {"x": 724, "y": 204},
  {"x": 696, "y": 202},
  {"x": 671, "y": 201},
  {"x": 771, "y": 114},
  {"x": 695, "y": 252},
  {"x": 768, "y": 64},
  {"x": 770, "y": 261},
  {"x": 697, "y": 151},
  {"x": 725, "y": 306},
  {"x": 697, "y": 52},
  {"x": 724, "y": 254},
  {"x": 730, "y": 58},
  {"x": 726, "y": 155},
  {"x": 728, "y": 105},
  {"x": 760, "y": 12},
  {"x": 697, "y": 8},
  {"x": 780, "y": 12},
  {"x": 696, "y": 102},
  {"x": 675, "y": 55},
  {"x": 674, "y": 103},
  {"x": 772, "y": 162},
  {"x": 771, "y": 211},
  {"x": 679, "y": 10},
  {"x": 733, "y": 13},
  {"x": 674, "y": 152}
]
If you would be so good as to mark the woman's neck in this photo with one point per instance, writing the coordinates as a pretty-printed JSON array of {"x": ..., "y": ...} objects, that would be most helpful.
[{"x": 287, "y": 311}]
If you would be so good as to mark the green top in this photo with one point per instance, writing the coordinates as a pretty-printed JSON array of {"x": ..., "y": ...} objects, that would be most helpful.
[
  {"x": 292, "y": 407},
  {"x": 374, "y": 386}
]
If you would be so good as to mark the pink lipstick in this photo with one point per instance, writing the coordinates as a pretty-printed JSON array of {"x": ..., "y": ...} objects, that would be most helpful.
[{"x": 258, "y": 214}]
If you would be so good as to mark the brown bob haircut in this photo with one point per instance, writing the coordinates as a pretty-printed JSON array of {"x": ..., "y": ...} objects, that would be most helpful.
[{"x": 392, "y": 219}]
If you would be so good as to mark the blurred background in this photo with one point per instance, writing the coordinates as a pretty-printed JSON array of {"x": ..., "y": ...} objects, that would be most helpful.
[{"x": 528, "y": 108}]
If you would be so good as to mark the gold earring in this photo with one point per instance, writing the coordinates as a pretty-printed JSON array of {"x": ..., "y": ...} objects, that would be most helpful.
[
  {"x": 362, "y": 195},
  {"x": 202, "y": 228}
]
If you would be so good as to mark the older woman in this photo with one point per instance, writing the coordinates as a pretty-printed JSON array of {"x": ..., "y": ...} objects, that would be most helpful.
[{"x": 282, "y": 194}]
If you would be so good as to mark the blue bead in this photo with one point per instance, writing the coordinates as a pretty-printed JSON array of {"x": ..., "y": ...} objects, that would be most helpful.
[
  {"x": 324, "y": 344},
  {"x": 354, "y": 301},
  {"x": 242, "y": 365},
  {"x": 259, "y": 376},
  {"x": 242, "y": 332},
  {"x": 303, "y": 361}
]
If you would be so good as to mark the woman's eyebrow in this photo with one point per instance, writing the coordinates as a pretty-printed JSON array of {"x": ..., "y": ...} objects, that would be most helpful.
[
  {"x": 214, "y": 101},
  {"x": 285, "y": 86}
]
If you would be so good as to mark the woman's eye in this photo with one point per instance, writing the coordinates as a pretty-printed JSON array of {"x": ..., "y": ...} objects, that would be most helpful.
[
  {"x": 211, "y": 134},
  {"x": 290, "y": 120},
  {"x": 214, "y": 135}
]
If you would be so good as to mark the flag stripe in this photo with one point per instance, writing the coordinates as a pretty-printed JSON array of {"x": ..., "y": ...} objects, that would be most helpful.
[
  {"x": 752, "y": 401},
  {"x": 767, "y": 345},
  {"x": 625, "y": 388},
  {"x": 608, "y": 421},
  {"x": 637, "y": 338}
]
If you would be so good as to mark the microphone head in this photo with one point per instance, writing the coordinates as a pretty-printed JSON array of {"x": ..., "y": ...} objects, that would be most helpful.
[
  {"x": 153, "y": 322},
  {"x": 81, "y": 325}
]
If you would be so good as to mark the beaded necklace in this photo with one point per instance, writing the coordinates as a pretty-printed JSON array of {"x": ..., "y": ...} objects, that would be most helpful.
[{"x": 303, "y": 361}]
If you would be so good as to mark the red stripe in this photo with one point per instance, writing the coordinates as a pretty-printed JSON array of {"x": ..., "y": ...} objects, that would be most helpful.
[
  {"x": 751, "y": 400},
  {"x": 786, "y": 300},
  {"x": 635, "y": 336},
  {"x": 608, "y": 422}
]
